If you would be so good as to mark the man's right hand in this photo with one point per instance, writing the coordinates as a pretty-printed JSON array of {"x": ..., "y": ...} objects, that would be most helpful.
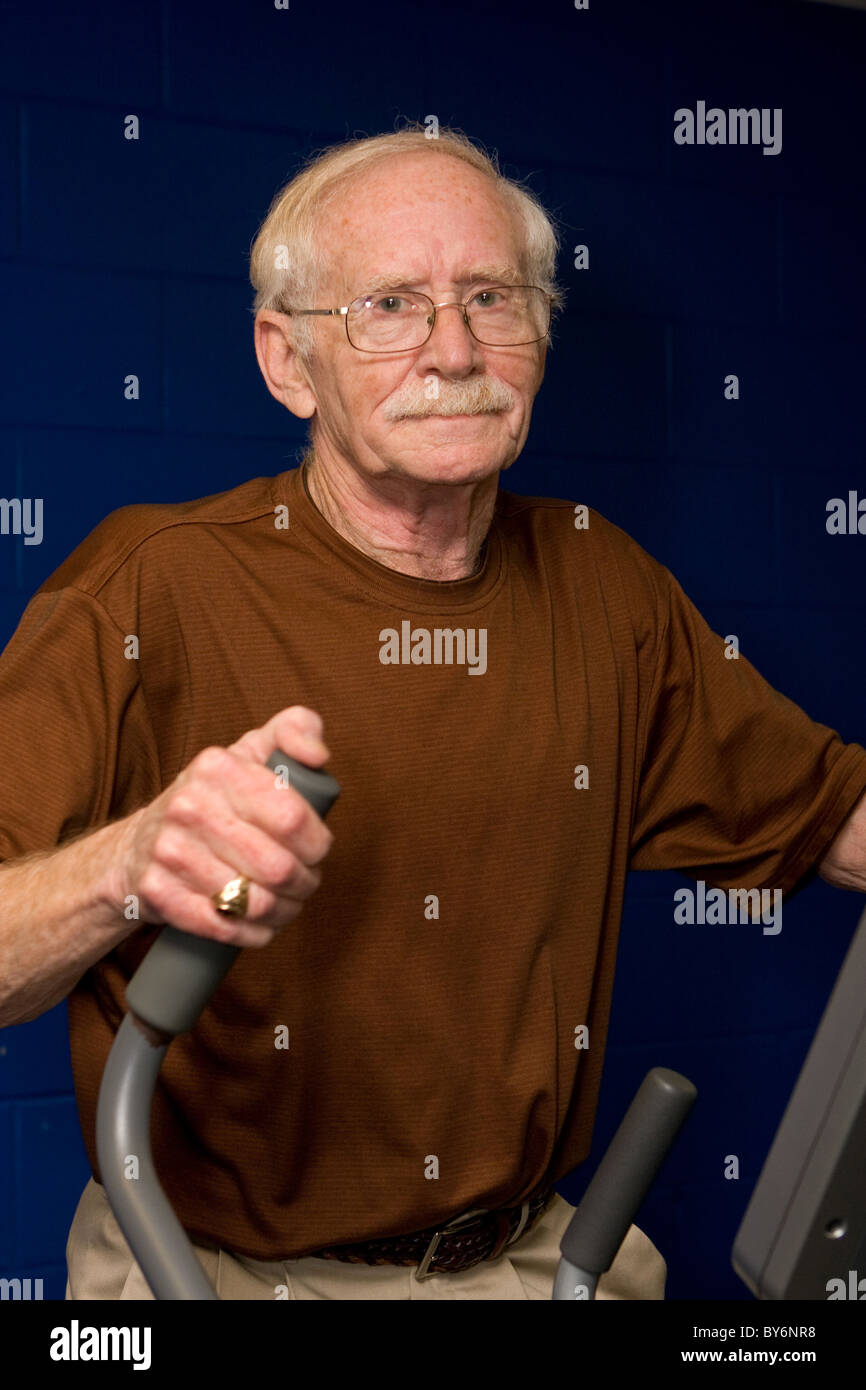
[{"x": 227, "y": 814}]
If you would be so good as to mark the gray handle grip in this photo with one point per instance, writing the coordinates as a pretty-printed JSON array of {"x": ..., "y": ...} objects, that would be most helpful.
[
  {"x": 627, "y": 1170},
  {"x": 180, "y": 971}
]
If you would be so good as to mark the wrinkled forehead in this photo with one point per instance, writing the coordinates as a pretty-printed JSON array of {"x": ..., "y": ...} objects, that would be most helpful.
[{"x": 419, "y": 221}]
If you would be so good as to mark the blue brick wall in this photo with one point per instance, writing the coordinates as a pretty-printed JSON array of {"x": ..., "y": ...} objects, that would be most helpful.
[{"x": 119, "y": 257}]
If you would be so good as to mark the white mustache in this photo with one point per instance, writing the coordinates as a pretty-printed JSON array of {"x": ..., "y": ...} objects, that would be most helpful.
[{"x": 476, "y": 396}]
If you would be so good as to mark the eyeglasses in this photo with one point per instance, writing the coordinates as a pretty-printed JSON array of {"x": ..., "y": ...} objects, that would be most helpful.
[{"x": 501, "y": 316}]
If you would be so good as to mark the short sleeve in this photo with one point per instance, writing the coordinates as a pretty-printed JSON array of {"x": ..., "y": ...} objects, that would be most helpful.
[
  {"x": 738, "y": 786},
  {"x": 76, "y": 748}
]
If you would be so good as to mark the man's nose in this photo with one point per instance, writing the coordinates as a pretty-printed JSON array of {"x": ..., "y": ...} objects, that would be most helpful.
[{"x": 451, "y": 331}]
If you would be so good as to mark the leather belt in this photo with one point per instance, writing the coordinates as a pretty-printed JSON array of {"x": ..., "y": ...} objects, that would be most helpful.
[{"x": 464, "y": 1241}]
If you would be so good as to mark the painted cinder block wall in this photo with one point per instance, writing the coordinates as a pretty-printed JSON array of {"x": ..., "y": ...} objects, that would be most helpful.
[{"x": 120, "y": 256}]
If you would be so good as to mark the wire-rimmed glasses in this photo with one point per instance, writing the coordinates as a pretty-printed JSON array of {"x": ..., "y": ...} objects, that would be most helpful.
[{"x": 401, "y": 320}]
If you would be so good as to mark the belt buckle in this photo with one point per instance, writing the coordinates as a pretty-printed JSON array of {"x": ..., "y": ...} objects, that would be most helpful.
[{"x": 423, "y": 1270}]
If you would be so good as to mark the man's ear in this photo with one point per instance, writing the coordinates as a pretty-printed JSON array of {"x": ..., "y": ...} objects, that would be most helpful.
[{"x": 284, "y": 373}]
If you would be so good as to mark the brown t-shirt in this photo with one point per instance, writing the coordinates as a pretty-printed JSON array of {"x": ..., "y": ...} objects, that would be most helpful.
[{"x": 466, "y": 925}]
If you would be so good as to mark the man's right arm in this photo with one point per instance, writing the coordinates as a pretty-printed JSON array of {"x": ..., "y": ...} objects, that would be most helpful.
[
  {"x": 60, "y": 912},
  {"x": 225, "y": 814}
]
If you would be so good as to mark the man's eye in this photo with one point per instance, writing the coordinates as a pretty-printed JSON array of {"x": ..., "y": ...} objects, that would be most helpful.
[
  {"x": 389, "y": 304},
  {"x": 487, "y": 299}
]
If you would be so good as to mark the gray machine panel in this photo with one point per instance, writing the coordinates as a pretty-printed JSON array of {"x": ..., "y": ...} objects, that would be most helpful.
[{"x": 806, "y": 1221}]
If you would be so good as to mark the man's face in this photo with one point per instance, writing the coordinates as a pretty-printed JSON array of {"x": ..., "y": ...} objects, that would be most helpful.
[{"x": 436, "y": 225}]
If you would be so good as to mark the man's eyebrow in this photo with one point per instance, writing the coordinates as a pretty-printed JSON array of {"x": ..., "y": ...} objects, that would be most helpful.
[{"x": 495, "y": 274}]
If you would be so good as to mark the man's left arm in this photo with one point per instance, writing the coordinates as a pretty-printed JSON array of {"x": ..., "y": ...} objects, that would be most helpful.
[
  {"x": 844, "y": 864},
  {"x": 737, "y": 784}
]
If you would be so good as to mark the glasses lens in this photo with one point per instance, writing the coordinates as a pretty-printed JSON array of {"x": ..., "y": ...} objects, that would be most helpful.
[
  {"x": 388, "y": 322},
  {"x": 509, "y": 315},
  {"x": 503, "y": 316}
]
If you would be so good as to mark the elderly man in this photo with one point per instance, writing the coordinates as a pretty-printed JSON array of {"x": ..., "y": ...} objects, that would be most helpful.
[{"x": 519, "y": 703}]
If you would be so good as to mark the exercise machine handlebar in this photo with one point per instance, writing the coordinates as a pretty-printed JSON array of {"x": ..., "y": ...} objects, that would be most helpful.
[
  {"x": 165, "y": 996},
  {"x": 621, "y": 1181}
]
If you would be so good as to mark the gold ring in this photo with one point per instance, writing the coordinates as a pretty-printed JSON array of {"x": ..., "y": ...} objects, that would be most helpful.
[{"x": 233, "y": 899}]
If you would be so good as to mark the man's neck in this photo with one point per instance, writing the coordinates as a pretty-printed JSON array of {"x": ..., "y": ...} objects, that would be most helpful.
[{"x": 419, "y": 566}]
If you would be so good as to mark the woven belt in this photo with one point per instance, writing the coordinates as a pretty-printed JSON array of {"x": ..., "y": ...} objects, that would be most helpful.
[{"x": 465, "y": 1241}]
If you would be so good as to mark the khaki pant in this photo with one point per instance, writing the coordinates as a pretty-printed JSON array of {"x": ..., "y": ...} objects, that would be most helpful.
[{"x": 101, "y": 1266}]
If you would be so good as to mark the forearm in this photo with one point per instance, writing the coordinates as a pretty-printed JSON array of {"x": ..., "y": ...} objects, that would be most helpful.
[
  {"x": 60, "y": 910},
  {"x": 844, "y": 864}
]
